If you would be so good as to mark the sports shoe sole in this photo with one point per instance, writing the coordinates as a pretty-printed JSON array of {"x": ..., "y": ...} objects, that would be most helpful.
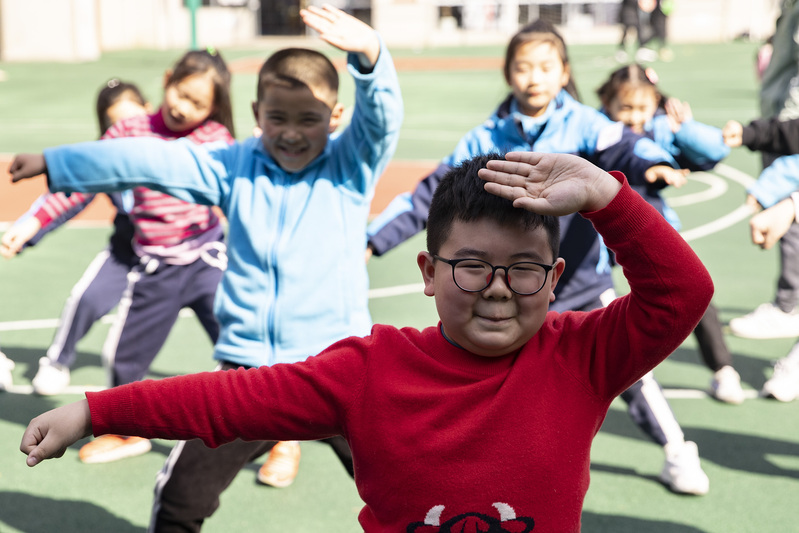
[{"x": 122, "y": 452}]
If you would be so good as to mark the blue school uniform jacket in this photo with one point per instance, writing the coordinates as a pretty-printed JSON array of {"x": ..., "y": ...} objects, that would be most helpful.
[
  {"x": 695, "y": 146},
  {"x": 567, "y": 126},
  {"x": 296, "y": 279}
]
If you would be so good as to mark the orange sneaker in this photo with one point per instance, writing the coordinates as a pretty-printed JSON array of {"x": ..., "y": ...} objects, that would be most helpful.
[
  {"x": 107, "y": 448},
  {"x": 281, "y": 466}
]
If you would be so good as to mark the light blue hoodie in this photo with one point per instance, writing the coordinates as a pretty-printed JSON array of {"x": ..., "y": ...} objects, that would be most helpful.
[{"x": 296, "y": 279}]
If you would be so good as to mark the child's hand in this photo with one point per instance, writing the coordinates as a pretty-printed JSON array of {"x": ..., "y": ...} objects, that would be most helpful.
[
  {"x": 676, "y": 113},
  {"x": 50, "y": 434},
  {"x": 753, "y": 203},
  {"x": 17, "y": 235},
  {"x": 768, "y": 226},
  {"x": 26, "y": 166},
  {"x": 550, "y": 184},
  {"x": 343, "y": 31},
  {"x": 671, "y": 176},
  {"x": 733, "y": 133}
]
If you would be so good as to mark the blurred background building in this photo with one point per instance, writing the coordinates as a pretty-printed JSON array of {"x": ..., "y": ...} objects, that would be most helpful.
[{"x": 80, "y": 30}]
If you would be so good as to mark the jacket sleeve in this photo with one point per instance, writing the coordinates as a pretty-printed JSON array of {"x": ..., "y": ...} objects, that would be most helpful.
[
  {"x": 701, "y": 146},
  {"x": 193, "y": 173},
  {"x": 772, "y": 135},
  {"x": 59, "y": 220},
  {"x": 619, "y": 148},
  {"x": 405, "y": 216},
  {"x": 368, "y": 142},
  {"x": 777, "y": 181}
]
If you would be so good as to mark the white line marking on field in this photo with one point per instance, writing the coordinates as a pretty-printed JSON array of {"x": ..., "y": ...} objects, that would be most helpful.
[
  {"x": 717, "y": 187},
  {"x": 730, "y": 219},
  {"x": 47, "y": 323},
  {"x": 398, "y": 290}
]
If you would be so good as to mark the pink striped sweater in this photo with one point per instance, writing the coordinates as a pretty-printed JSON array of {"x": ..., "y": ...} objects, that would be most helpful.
[{"x": 169, "y": 229}]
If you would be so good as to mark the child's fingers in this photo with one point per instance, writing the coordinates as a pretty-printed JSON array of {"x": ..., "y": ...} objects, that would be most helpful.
[
  {"x": 505, "y": 173},
  {"x": 33, "y": 444},
  {"x": 50, "y": 434}
]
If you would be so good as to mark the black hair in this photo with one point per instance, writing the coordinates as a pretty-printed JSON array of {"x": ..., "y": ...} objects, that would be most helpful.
[
  {"x": 461, "y": 195},
  {"x": 633, "y": 76},
  {"x": 201, "y": 62},
  {"x": 540, "y": 31},
  {"x": 300, "y": 67},
  {"x": 112, "y": 92}
]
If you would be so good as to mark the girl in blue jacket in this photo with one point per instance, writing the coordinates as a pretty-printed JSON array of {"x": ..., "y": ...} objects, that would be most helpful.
[
  {"x": 542, "y": 113},
  {"x": 631, "y": 96}
]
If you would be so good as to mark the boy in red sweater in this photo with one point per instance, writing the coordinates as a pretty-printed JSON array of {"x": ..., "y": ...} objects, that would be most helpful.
[{"x": 498, "y": 403}]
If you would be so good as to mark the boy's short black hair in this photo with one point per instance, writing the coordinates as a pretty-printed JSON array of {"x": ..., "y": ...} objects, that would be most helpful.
[
  {"x": 300, "y": 67},
  {"x": 461, "y": 196}
]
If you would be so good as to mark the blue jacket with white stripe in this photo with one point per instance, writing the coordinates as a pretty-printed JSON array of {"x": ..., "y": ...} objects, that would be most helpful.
[{"x": 567, "y": 126}]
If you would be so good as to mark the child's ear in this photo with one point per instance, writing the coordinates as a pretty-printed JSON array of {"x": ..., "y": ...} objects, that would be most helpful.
[
  {"x": 428, "y": 267},
  {"x": 557, "y": 271},
  {"x": 167, "y": 75},
  {"x": 336, "y": 116},
  {"x": 255, "y": 112}
]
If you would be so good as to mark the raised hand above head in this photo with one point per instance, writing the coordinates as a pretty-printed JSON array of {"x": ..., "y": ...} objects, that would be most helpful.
[
  {"x": 677, "y": 112},
  {"x": 343, "y": 31},
  {"x": 551, "y": 184}
]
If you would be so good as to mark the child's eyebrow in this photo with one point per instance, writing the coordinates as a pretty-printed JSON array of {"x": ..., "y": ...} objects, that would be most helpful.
[{"x": 481, "y": 254}]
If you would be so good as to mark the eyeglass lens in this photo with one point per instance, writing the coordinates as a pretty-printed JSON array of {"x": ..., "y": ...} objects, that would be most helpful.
[{"x": 523, "y": 278}]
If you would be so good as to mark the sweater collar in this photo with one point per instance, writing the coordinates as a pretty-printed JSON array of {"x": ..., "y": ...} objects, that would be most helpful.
[{"x": 453, "y": 356}]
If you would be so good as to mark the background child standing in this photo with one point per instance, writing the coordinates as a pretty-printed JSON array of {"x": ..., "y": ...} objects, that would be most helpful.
[
  {"x": 542, "y": 113},
  {"x": 297, "y": 200},
  {"x": 631, "y": 96},
  {"x": 101, "y": 285},
  {"x": 178, "y": 246}
]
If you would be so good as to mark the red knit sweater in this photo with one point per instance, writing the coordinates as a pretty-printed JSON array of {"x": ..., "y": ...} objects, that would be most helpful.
[{"x": 442, "y": 439}]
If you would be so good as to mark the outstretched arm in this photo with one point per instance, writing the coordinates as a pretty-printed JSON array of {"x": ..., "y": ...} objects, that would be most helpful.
[
  {"x": 550, "y": 184},
  {"x": 344, "y": 31},
  {"x": 50, "y": 434}
]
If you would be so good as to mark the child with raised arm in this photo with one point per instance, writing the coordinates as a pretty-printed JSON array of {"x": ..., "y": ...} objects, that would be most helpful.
[
  {"x": 776, "y": 185},
  {"x": 631, "y": 96},
  {"x": 542, "y": 114},
  {"x": 498, "y": 370},
  {"x": 297, "y": 201}
]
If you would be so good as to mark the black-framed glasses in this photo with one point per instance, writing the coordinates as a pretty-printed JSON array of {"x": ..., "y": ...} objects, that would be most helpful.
[{"x": 475, "y": 275}]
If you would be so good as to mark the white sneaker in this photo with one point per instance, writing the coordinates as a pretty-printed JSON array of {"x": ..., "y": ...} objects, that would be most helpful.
[
  {"x": 726, "y": 386},
  {"x": 784, "y": 383},
  {"x": 682, "y": 472},
  {"x": 51, "y": 378},
  {"x": 767, "y": 321},
  {"x": 6, "y": 366},
  {"x": 645, "y": 55}
]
